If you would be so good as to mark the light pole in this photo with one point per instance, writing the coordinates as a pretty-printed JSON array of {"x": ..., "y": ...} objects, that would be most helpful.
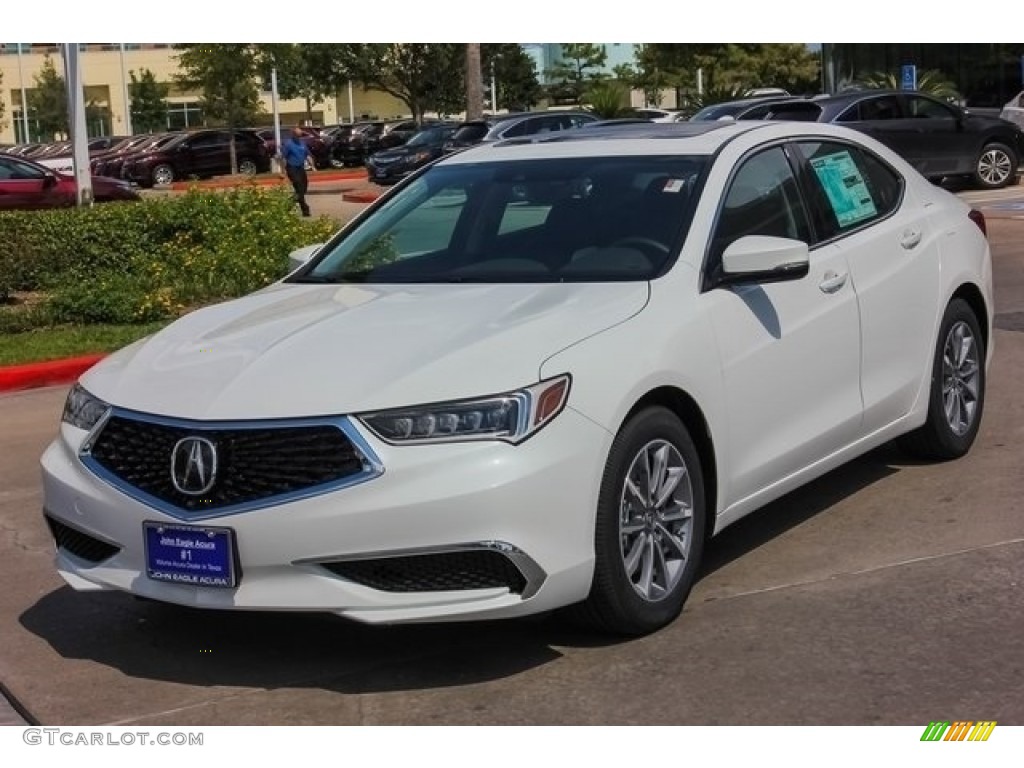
[
  {"x": 27, "y": 138},
  {"x": 76, "y": 123},
  {"x": 124, "y": 93}
]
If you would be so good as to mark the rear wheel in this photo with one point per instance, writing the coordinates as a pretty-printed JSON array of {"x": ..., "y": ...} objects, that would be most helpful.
[
  {"x": 996, "y": 166},
  {"x": 957, "y": 395},
  {"x": 649, "y": 533},
  {"x": 247, "y": 167}
]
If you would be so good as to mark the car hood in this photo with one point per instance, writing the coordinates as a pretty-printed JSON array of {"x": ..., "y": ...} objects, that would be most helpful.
[{"x": 307, "y": 350}]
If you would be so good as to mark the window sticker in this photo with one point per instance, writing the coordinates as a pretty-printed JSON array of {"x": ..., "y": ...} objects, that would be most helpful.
[
  {"x": 674, "y": 185},
  {"x": 845, "y": 188}
]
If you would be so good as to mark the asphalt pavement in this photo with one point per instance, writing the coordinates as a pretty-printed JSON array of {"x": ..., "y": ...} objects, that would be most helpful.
[{"x": 887, "y": 592}]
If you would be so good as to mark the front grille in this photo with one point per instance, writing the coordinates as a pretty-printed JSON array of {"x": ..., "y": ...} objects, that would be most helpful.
[
  {"x": 445, "y": 571},
  {"x": 252, "y": 463},
  {"x": 79, "y": 544}
]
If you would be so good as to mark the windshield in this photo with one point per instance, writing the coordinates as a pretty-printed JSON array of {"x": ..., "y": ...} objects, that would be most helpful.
[
  {"x": 470, "y": 133},
  {"x": 428, "y": 136},
  {"x": 552, "y": 220}
]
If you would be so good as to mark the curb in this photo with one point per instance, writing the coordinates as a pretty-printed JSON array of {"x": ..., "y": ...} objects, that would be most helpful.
[
  {"x": 31, "y": 375},
  {"x": 360, "y": 197},
  {"x": 266, "y": 181}
]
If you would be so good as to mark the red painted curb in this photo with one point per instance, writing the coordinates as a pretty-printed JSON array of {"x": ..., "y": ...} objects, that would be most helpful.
[
  {"x": 266, "y": 181},
  {"x": 30, "y": 375},
  {"x": 360, "y": 197}
]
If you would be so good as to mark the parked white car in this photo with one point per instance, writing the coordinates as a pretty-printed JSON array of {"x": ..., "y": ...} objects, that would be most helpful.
[
  {"x": 1014, "y": 110},
  {"x": 537, "y": 374}
]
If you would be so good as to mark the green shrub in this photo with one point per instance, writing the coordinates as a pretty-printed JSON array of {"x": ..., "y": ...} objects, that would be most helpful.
[{"x": 133, "y": 263}]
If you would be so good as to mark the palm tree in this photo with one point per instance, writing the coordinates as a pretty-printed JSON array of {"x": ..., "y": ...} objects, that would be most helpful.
[{"x": 931, "y": 81}]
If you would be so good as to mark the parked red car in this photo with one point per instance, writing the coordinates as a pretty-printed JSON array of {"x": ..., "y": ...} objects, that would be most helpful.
[{"x": 25, "y": 185}]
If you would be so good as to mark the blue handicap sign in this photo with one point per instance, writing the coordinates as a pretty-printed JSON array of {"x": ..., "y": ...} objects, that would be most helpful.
[{"x": 908, "y": 77}]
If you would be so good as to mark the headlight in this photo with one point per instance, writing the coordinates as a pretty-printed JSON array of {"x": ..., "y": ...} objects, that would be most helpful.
[
  {"x": 82, "y": 410},
  {"x": 510, "y": 417}
]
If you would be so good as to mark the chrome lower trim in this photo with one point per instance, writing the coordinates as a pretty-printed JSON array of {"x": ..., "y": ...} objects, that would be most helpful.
[
  {"x": 372, "y": 465},
  {"x": 533, "y": 573}
]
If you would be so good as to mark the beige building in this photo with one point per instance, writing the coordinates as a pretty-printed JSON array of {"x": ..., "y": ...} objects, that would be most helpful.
[{"x": 105, "y": 69}]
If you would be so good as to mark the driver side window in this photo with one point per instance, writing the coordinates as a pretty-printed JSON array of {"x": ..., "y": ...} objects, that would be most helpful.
[{"x": 762, "y": 199}]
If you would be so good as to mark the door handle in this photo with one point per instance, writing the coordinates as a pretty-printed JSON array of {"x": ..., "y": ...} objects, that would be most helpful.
[
  {"x": 832, "y": 281},
  {"x": 910, "y": 238}
]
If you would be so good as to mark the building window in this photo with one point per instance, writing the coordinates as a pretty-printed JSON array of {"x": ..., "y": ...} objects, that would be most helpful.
[{"x": 184, "y": 115}]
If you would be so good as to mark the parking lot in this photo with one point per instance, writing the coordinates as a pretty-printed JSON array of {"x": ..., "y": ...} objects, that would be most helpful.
[{"x": 886, "y": 592}]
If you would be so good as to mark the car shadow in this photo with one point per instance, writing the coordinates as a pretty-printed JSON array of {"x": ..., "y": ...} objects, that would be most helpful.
[
  {"x": 802, "y": 504},
  {"x": 152, "y": 641}
]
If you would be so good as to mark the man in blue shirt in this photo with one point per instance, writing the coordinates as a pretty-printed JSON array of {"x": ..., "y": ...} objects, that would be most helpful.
[{"x": 294, "y": 153}]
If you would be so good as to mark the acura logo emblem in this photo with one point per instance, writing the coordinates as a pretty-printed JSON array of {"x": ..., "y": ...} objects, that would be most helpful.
[{"x": 194, "y": 465}]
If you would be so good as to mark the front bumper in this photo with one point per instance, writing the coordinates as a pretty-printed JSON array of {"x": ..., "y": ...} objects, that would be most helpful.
[{"x": 533, "y": 504}]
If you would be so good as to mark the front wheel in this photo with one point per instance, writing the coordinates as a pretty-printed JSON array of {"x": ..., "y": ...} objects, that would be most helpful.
[
  {"x": 957, "y": 395},
  {"x": 996, "y": 166},
  {"x": 247, "y": 167},
  {"x": 163, "y": 174},
  {"x": 649, "y": 533}
]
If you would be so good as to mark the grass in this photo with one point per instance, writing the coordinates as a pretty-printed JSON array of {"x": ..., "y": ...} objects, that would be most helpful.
[{"x": 69, "y": 341}]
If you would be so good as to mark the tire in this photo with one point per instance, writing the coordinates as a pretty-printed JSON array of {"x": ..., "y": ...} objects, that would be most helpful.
[
  {"x": 956, "y": 399},
  {"x": 247, "y": 167},
  {"x": 647, "y": 555},
  {"x": 996, "y": 166},
  {"x": 162, "y": 174}
]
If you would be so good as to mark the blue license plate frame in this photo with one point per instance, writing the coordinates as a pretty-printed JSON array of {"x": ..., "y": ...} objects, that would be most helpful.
[{"x": 191, "y": 555}]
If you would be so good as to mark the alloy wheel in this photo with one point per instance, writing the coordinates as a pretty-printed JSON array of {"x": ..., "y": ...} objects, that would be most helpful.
[
  {"x": 163, "y": 175},
  {"x": 994, "y": 166},
  {"x": 656, "y": 520},
  {"x": 961, "y": 378}
]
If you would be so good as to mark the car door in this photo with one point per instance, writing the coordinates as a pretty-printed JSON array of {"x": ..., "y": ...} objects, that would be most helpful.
[
  {"x": 26, "y": 187},
  {"x": 882, "y": 118},
  {"x": 865, "y": 209},
  {"x": 209, "y": 153},
  {"x": 790, "y": 351},
  {"x": 937, "y": 132}
]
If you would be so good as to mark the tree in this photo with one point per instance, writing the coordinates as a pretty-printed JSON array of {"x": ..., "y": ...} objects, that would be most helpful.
[
  {"x": 148, "y": 102},
  {"x": 608, "y": 98},
  {"x": 424, "y": 76},
  {"x": 474, "y": 83},
  {"x": 48, "y": 101},
  {"x": 308, "y": 71},
  {"x": 728, "y": 67},
  {"x": 514, "y": 73},
  {"x": 580, "y": 63},
  {"x": 930, "y": 81},
  {"x": 226, "y": 76}
]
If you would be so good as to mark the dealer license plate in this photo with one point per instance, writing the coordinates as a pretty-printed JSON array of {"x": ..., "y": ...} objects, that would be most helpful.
[{"x": 187, "y": 554}]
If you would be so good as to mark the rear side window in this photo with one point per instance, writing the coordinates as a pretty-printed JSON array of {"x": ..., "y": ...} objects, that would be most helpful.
[
  {"x": 879, "y": 108},
  {"x": 852, "y": 188}
]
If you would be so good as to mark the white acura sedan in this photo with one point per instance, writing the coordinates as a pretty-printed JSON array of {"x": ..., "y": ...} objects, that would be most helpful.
[{"x": 540, "y": 373}]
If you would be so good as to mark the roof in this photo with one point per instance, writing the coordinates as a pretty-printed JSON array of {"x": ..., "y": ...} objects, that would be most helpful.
[{"x": 702, "y": 138}]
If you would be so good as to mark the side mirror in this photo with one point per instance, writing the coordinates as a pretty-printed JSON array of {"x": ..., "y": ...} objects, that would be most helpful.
[
  {"x": 300, "y": 256},
  {"x": 763, "y": 259},
  {"x": 49, "y": 181}
]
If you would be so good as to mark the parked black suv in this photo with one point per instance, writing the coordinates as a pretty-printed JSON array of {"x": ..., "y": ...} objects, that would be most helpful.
[
  {"x": 390, "y": 165},
  {"x": 201, "y": 154}
]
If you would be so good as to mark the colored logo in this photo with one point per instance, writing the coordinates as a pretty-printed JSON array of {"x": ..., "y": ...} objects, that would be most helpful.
[{"x": 961, "y": 730}]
